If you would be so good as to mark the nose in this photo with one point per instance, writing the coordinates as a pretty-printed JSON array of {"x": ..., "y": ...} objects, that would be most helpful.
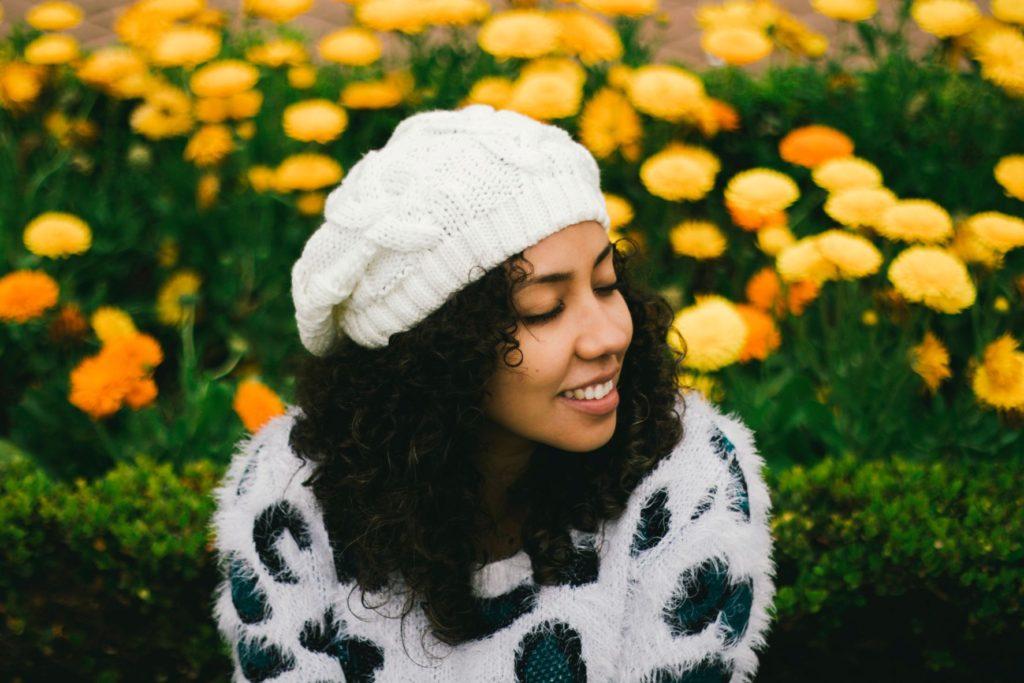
[{"x": 604, "y": 329}]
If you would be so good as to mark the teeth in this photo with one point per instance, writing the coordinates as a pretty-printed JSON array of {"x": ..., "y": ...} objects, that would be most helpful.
[{"x": 593, "y": 392}]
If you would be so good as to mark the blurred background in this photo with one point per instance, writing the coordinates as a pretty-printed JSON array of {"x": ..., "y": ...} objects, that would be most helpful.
[{"x": 830, "y": 194}]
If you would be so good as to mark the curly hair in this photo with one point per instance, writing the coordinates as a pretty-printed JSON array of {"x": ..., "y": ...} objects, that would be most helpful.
[{"x": 391, "y": 432}]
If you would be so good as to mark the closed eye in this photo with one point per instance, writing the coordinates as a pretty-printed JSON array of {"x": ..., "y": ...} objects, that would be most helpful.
[{"x": 605, "y": 291}]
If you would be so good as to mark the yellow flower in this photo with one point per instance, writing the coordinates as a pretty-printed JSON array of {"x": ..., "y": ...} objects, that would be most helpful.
[
  {"x": 999, "y": 380},
  {"x": 846, "y": 10},
  {"x": 209, "y": 145},
  {"x": 455, "y": 12},
  {"x": 680, "y": 172},
  {"x": 20, "y": 84},
  {"x": 185, "y": 46},
  {"x": 619, "y": 75},
  {"x": 713, "y": 332},
  {"x": 318, "y": 120},
  {"x": 277, "y": 10},
  {"x": 351, "y": 46},
  {"x": 310, "y": 203},
  {"x": 852, "y": 256},
  {"x": 211, "y": 109},
  {"x": 737, "y": 45},
  {"x": 548, "y": 89},
  {"x": 998, "y": 231},
  {"x": 1001, "y": 55},
  {"x": 26, "y": 294},
  {"x": 930, "y": 360},
  {"x": 207, "y": 190},
  {"x": 774, "y": 238},
  {"x": 492, "y": 90},
  {"x": 698, "y": 239},
  {"x": 302, "y": 76},
  {"x": 666, "y": 92},
  {"x": 306, "y": 172},
  {"x": 1009, "y": 173},
  {"x": 869, "y": 318},
  {"x": 831, "y": 255},
  {"x": 760, "y": 15},
  {"x": 1001, "y": 304},
  {"x": 223, "y": 78},
  {"x": 406, "y": 16},
  {"x": 256, "y": 404},
  {"x": 934, "y": 277},
  {"x": 1010, "y": 11},
  {"x": 107, "y": 67},
  {"x": 796, "y": 37},
  {"x": 119, "y": 374},
  {"x": 371, "y": 95},
  {"x": 625, "y": 8},
  {"x": 620, "y": 211},
  {"x": 860, "y": 206},
  {"x": 608, "y": 122},
  {"x": 52, "y": 48},
  {"x": 54, "y": 15},
  {"x": 166, "y": 112},
  {"x": 523, "y": 33},
  {"x": 845, "y": 173},
  {"x": 261, "y": 178},
  {"x": 762, "y": 191},
  {"x": 56, "y": 234},
  {"x": 589, "y": 37},
  {"x": 245, "y": 104},
  {"x": 110, "y": 322},
  {"x": 277, "y": 52},
  {"x": 170, "y": 310},
  {"x": 945, "y": 18},
  {"x": 915, "y": 220},
  {"x": 970, "y": 248}
]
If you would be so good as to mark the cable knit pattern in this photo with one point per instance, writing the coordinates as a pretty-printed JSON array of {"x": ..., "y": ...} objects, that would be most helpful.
[
  {"x": 451, "y": 194},
  {"x": 678, "y": 588}
]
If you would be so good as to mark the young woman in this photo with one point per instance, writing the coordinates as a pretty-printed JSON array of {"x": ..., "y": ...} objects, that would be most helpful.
[{"x": 488, "y": 450}]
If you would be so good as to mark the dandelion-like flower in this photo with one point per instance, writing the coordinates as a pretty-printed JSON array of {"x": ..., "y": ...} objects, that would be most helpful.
[
  {"x": 666, "y": 92},
  {"x": 223, "y": 78},
  {"x": 915, "y": 220},
  {"x": 522, "y": 33},
  {"x": 318, "y": 120},
  {"x": 26, "y": 295},
  {"x": 815, "y": 144},
  {"x": 945, "y": 18},
  {"x": 860, "y": 207},
  {"x": 846, "y": 10},
  {"x": 1009, "y": 173},
  {"x": 306, "y": 172},
  {"x": 256, "y": 403},
  {"x": 57, "y": 234},
  {"x": 997, "y": 231},
  {"x": 934, "y": 277},
  {"x": 698, "y": 239},
  {"x": 762, "y": 334},
  {"x": 845, "y": 173},
  {"x": 111, "y": 322},
  {"x": 351, "y": 46},
  {"x": 930, "y": 360},
  {"x": 999, "y": 380},
  {"x": 680, "y": 172},
  {"x": 169, "y": 307},
  {"x": 714, "y": 333}
]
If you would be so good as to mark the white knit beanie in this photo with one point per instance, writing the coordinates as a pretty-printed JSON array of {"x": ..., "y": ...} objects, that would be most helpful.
[{"x": 451, "y": 195}]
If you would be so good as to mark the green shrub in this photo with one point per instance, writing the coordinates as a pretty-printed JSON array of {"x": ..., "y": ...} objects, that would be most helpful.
[{"x": 894, "y": 571}]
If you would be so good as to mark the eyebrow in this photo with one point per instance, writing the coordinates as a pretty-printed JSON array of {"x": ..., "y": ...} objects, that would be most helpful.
[{"x": 565, "y": 277}]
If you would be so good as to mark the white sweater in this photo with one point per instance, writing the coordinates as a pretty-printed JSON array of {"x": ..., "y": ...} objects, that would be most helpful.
[{"x": 677, "y": 589}]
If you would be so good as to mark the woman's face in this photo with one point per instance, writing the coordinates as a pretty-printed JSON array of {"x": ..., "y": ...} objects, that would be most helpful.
[{"x": 584, "y": 338}]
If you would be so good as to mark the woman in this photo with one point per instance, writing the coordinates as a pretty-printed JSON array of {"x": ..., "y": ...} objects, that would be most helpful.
[{"x": 443, "y": 472}]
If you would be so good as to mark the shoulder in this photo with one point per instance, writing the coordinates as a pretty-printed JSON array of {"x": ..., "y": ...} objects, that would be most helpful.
[
  {"x": 261, "y": 497},
  {"x": 700, "y": 549},
  {"x": 716, "y": 456}
]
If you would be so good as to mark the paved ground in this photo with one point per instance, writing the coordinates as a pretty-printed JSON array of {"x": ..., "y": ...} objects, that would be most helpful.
[{"x": 681, "y": 36}]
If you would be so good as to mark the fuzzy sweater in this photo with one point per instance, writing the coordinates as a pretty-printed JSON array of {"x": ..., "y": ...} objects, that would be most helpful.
[{"x": 678, "y": 588}]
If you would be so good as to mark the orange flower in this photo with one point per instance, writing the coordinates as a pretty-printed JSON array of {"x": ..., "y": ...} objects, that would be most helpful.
[
  {"x": 256, "y": 403},
  {"x": 800, "y": 294},
  {"x": 764, "y": 290},
  {"x": 762, "y": 334},
  {"x": 118, "y": 374},
  {"x": 26, "y": 294},
  {"x": 811, "y": 145},
  {"x": 724, "y": 113},
  {"x": 752, "y": 221}
]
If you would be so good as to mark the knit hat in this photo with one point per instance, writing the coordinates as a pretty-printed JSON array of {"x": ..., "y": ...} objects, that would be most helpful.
[{"x": 452, "y": 194}]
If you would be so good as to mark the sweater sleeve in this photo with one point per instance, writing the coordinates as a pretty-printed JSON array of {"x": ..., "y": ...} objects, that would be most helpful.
[
  {"x": 272, "y": 601},
  {"x": 701, "y": 579}
]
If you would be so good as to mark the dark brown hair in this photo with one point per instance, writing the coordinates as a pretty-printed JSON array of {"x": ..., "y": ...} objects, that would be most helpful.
[{"x": 392, "y": 432}]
